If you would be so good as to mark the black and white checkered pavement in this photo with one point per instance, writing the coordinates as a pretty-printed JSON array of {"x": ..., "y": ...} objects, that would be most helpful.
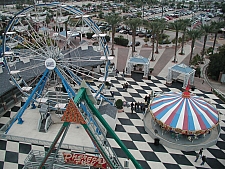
[{"x": 131, "y": 131}]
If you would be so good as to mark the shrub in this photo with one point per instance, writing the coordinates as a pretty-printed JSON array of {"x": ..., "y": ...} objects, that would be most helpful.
[
  {"x": 196, "y": 59},
  {"x": 121, "y": 41},
  {"x": 164, "y": 36},
  {"x": 167, "y": 41},
  {"x": 107, "y": 84},
  {"x": 209, "y": 51},
  {"x": 89, "y": 35},
  {"x": 198, "y": 72},
  {"x": 101, "y": 15},
  {"x": 164, "y": 41},
  {"x": 119, "y": 104},
  {"x": 146, "y": 40},
  {"x": 107, "y": 38},
  {"x": 151, "y": 69},
  {"x": 179, "y": 40}
]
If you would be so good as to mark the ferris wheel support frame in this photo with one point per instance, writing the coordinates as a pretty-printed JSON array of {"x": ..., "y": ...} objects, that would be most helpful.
[
  {"x": 39, "y": 92},
  {"x": 69, "y": 90},
  {"x": 24, "y": 107}
]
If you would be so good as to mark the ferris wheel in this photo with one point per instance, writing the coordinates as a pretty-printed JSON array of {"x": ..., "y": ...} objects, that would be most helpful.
[{"x": 46, "y": 55}]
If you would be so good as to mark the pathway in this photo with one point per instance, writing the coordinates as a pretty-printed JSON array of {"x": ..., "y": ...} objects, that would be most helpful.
[
  {"x": 163, "y": 60},
  {"x": 122, "y": 56}
]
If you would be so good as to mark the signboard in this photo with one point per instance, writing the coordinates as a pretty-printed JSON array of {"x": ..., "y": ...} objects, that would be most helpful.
[
  {"x": 86, "y": 160},
  {"x": 72, "y": 114},
  {"x": 50, "y": 63}
]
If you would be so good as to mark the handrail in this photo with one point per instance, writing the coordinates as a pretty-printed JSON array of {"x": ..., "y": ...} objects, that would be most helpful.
[
  {"x": 39, "y": 124},
  {"x": 204, "y": 70},
  {"x": 47, "y": 143}
]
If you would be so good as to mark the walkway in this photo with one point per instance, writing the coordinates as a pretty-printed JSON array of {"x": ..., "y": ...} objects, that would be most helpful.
[{"x": 164, "y": 59}]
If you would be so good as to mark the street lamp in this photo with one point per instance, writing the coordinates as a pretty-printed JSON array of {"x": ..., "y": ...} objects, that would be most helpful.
[{"x": 143, "y": 9}]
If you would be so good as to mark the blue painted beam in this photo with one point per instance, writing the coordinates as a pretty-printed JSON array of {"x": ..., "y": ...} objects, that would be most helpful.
[{"x": 24, "y": 107}]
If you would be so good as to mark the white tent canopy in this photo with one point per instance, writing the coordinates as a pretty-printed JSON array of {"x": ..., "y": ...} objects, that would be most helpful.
[
  {"x": 138, "y": 60},
  {"x": 183, "y": 69}
]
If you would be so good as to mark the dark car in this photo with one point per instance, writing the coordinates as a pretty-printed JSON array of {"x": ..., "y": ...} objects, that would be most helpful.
[{"x": 137, "y": 43}]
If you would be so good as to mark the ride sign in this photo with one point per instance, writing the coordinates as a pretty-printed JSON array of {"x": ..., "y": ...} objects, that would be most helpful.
[
  {"x": 50, "y": 63},
  {"x": 83, "y": 159}
]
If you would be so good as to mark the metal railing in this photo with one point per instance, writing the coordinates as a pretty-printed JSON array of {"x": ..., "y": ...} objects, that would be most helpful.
[
  {"x": 204, "y": 70},
  {"x": 35, "y": 157},
  {"x": 47, "y": 143}
]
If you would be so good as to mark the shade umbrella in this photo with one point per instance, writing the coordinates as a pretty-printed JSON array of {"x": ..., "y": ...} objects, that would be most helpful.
[{"x": 184, "y": 113}]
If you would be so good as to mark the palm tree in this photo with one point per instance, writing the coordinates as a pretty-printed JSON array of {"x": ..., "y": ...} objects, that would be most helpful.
[
  {"x": 133, "y": 24},
  {"x": 176, "y": 25},
  {"x": 216, "y": 27},
  {"x": 206, "y": 29},
  {"x": 114, "y": 20},
  {"x": 159, "y": 31},
  {"x": 186, "y": 23},
  {"x": 154, "y": 26},
  {"x": 194, "y": 34}
]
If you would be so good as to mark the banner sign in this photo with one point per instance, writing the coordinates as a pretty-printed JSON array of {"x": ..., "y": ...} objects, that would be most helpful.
[{"x": 83, "y": 159}]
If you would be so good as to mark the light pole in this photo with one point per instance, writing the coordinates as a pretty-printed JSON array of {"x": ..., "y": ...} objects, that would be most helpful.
[{"x": 143, "y": 8}]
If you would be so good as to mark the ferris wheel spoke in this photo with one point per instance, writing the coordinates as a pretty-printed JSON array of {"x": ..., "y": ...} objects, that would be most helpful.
[
  {"x": 40, "y": 41},
  {"x": 83, "y": 71},
  {"x": 27, "y": 47},
  {"x": 66, "y": 76},
  {"x": 70, "y": 51},
  {"x": 30, "y": 67},
  {"x": 34, "y": 33},
  {"x": 20, "y": 40},
  {"x": 77, "y": 60},
  {"x": 69, "y": 58}
]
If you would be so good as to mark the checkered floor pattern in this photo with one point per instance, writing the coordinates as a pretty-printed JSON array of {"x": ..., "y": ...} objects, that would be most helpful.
[{"x": 130, "y": 130}]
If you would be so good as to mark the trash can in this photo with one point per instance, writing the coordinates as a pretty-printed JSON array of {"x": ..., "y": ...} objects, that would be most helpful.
[
  {"x": 126, "y": 164},
  {"x": 156, "y": 141},
  {"x": 193, "y": 88},
  {"x": 149, "y": 77}
]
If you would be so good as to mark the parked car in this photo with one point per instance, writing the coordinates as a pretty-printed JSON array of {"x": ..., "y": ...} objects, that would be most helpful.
[{"x": 123, "y": 31}]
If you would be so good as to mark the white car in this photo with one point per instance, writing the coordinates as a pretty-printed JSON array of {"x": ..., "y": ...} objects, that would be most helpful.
[
  {"x": 207, "y": 19},
  {"x": 122, "y": 31}
]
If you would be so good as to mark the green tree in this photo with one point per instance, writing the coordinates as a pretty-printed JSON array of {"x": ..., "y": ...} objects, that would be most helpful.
[
  {"x": 199, "y": 4},
  {"x": 177, "y": 26},
  {"x": 47, "y": 20},
  {"x": 194, "y": 34},
  {"x": 216, "y": 27},
  {"x": 159, "y": 32},
  {"x": 154, "y": 26},
  {"x": 186, "y": 23},
  {"x": 114, "y": 20},
  {"x": 191, "y": 4},
  {"x": 179, "y": 5},
  {"x": 207, "y": 28},
  {"x": 133, "y": 24},
  {"x": 88, "y": 5},
  {"x": 217, "y": 63}
]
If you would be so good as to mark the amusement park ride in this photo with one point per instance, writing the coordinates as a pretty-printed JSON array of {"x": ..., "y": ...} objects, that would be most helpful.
[{"x": 40, "y": 55}]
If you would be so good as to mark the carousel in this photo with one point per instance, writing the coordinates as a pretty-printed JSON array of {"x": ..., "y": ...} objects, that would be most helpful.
[{"x": 182, "y": 120}]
